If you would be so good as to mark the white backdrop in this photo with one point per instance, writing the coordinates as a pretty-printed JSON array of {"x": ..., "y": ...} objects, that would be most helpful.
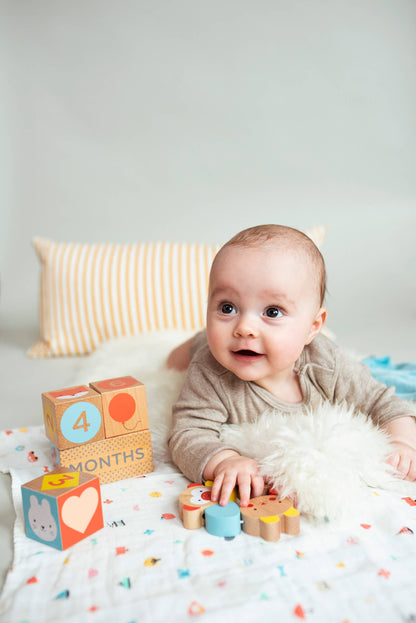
[{"x": 189, "y": 120}]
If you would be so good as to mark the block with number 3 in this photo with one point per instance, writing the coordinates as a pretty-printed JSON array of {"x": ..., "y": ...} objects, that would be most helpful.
[
  {"x": 62, "y": 507},
  {"x": 73, "y": 416}
]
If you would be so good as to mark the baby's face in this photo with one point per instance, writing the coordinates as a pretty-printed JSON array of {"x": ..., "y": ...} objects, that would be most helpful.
[{"x": 263, "y": 308}]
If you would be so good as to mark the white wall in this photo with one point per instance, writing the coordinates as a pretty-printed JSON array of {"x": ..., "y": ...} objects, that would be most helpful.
[{"x": 189, "y": 120}]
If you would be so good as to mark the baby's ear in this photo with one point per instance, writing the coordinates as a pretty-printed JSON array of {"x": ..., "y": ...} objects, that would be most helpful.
[{"x": 317, "y": 324}]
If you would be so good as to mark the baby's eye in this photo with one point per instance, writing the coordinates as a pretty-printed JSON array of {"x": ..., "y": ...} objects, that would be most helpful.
[
  {"x": 227, "y": 308},
  {"x": 273, "y": 312}
]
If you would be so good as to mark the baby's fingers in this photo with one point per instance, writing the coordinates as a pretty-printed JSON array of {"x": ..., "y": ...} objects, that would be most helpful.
[
  {"x": 394, "y": 460},
  {"x": 411, "y": 474},
  {"x": 228, "y": 485},
  {"x": 244, "y": 489},
  {"x": 216, "y": 487},
  {"x": 404, "y": 465}
]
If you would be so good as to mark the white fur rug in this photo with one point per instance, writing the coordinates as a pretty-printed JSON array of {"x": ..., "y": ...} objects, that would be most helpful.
[{"x": 332, "y": 459}]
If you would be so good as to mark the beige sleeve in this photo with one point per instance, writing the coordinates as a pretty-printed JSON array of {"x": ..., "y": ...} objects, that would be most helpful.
[
  {"x": 198, "y": 340},
  {"x": 196, "y": 422}
]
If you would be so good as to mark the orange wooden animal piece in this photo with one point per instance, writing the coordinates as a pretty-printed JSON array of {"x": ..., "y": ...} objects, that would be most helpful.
[
  {"x": 268, "y": 516},
  {"x": 193, "y": 502}
]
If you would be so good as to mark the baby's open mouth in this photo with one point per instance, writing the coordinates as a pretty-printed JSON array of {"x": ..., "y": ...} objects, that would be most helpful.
[{"x": 247, "y": 353}]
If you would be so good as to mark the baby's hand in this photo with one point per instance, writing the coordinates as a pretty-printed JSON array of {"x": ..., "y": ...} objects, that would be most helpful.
[
  {"x": 404, "y": 459},
  {"x": 402, "y": 433},
  {"x": 236, "y": 470}
]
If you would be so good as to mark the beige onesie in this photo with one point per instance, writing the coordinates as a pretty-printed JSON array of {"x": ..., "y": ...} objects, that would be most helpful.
[{"x": 212, "y": 396}]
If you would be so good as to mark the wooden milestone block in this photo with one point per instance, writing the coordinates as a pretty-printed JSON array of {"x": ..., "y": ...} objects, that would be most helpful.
[
  {"x": 268, "y": 516},
  {"x": 194, "y": 501},
  {"x": 124, "y": 405},
  {"x": 111, "y": 459},
  {"x": 73, "y": 416},
  {"x": 62, "y": 507}
]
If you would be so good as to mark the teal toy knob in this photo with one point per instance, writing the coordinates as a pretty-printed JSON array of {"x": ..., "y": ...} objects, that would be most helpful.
[{"x": 223, "y": 521}]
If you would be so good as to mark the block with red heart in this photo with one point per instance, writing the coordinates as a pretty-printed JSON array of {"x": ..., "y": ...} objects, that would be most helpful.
[{"x": 62, "y": 507}]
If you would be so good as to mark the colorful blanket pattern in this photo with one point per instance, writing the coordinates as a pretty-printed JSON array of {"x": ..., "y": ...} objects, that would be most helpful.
[{"x": 145, "y": 567}]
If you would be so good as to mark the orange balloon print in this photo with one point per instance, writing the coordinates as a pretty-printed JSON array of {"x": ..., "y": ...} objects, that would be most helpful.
[{"x": 122, "y": 407}]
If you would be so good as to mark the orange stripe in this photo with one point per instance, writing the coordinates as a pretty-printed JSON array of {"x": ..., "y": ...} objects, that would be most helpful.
[
  {"x": 120, "y": 296},
  {"x": 172, "y": 291},
  {"x": 47, "y": 302},
  {"x": 164, "y": 285},
  {"x": 70, "y": 296},
  {"x": 153, "y": 288},
  {"x": 136, "y": 288},
  {"x": 51, "y": 311},
  {"x": 128, "y": 285},
  {"x": 189, "y": 285},
  {"x": 78, "y": 302},
  {"x": 62, "y": 285},
  {"x": 86, "y": 295},
  {"x": 104, "y": 291},
  {"x": 60, "y": 333},
  {"x": 145, "y": 285},
  {"x": 95, "y": 281},
  {"x": 181, "y": 288},
  {"x": 110, "y": 288},
  {"x": 44, "y": 303}
]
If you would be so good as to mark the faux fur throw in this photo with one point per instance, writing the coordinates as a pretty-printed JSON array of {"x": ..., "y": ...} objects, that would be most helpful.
[{"x": 331, "y": 459}]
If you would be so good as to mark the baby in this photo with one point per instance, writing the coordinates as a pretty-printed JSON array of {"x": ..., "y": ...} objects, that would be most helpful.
[{"x": 263, "y": 348}]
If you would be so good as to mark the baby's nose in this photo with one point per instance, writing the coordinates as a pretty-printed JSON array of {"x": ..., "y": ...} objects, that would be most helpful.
[{"x": 245, "y": 327}]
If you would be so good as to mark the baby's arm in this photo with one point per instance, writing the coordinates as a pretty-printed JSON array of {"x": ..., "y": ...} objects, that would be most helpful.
[
  {"x": 402, "y": 431},
  {"x": 180, "y": 357},
  {"x": 227, "y": 469},
  {"x": 355, "y": 384}
]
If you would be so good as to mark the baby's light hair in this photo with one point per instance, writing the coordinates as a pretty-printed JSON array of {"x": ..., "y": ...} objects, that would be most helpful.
[{"x": 289, "y": 237}]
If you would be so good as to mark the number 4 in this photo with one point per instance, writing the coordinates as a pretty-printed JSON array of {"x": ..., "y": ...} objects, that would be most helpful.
[{"x": 84, "y": 425}]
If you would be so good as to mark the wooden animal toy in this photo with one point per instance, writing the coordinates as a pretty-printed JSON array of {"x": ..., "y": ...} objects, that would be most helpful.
[
  {"x": 194, "y": 501},
  {"x": 100, "y": 429},
  {"x": 268, "y": 516},
  {"x": 62, "y": 507}
]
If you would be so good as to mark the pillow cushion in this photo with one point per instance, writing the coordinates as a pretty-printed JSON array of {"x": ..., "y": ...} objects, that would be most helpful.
[{"x": 93, "y": 292}]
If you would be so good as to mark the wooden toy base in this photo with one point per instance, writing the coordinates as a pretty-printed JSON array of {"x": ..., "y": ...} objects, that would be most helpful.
[
  {"x": 111, "y": 459},
  {"x": 266, "y": 516}
]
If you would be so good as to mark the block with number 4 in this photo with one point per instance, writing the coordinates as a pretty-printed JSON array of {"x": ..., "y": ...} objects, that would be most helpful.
[
  {"x": 62, "y": 508},
  {"x": 73, "y": 416}
]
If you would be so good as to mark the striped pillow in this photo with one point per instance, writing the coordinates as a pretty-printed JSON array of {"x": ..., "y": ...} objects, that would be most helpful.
[{"x": 93, "y": 292}]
